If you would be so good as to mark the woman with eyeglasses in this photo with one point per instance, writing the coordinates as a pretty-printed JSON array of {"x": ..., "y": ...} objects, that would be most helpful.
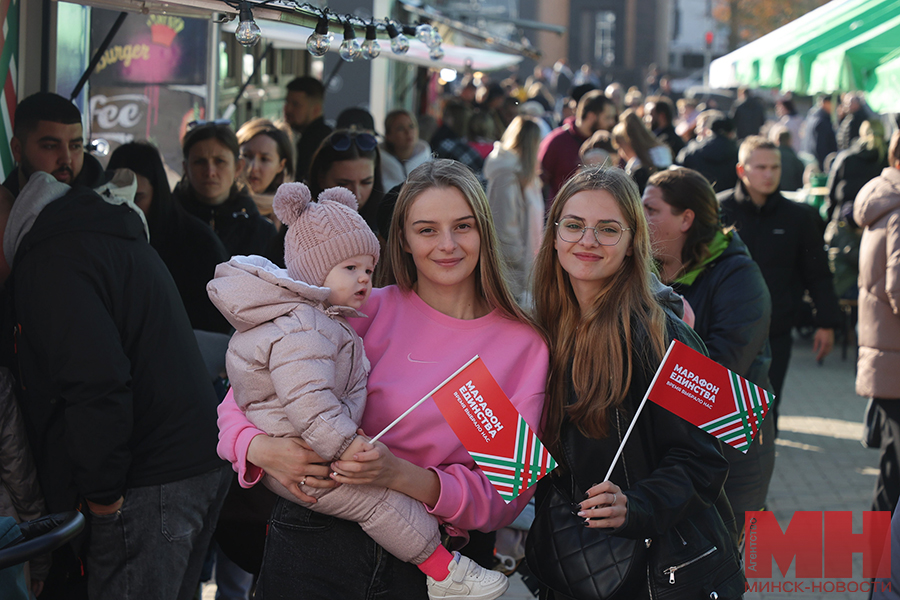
[
  {"x": 711, "y": 267},
  {"x": 607, "y": 334},
  {"x": 402, "y": 150},
  {"x": 349, "y": 159},
  {"x": 268, "y": 155},
  {"x": 447, "y": 302},
  {"x": 211, "y": 190}
]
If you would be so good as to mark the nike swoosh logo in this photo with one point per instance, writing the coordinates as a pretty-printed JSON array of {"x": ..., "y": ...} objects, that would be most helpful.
[{"x": 424, "y": 362}]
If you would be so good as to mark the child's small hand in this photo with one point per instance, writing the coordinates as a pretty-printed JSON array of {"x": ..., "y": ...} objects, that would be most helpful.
[{"x": 359, "y": 444}]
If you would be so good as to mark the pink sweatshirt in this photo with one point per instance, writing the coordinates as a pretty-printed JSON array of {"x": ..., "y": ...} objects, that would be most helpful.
[{"x": 412, "y": 348}]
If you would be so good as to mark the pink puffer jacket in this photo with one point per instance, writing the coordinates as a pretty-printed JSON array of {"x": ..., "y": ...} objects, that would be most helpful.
[
  {"x": 297, "y": 368},
  {"x": 877, "y": 208}
]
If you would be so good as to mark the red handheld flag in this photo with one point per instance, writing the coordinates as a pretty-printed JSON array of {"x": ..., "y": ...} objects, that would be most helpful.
[
  {"x": 705, "y": 393},
  {"x": 493, "y": 431}
]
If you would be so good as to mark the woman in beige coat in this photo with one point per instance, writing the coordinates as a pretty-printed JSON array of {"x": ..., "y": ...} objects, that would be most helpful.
[{"x": 877, "y": 209}]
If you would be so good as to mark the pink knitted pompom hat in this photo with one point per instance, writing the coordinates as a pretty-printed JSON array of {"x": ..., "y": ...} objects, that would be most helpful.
[{"x": 323, "y": 234}]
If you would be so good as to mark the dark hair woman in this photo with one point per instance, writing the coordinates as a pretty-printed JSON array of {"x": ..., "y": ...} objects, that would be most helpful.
[
  {"x": 210, "y": 190},
  {"x": 189, "y": 248},
  {"x": 711, "y": 267},
  {"x": 268, "y": 155},
  {"x": 349, "y": 159}
]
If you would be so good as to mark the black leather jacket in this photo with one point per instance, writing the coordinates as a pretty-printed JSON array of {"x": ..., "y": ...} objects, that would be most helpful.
[{"x": 672, "y": 473}]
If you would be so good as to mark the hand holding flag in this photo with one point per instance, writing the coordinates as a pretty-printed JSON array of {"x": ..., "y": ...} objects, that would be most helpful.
[{"x": 491, "y": 429}]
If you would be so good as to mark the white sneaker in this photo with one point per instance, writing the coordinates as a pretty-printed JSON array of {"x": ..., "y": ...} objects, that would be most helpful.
[{"x": 467, "y": 579}]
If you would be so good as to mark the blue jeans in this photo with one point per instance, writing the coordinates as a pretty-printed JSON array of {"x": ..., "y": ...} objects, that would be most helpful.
[
  {"x": 310, "y": 556},
  {"x": 153, "y": 547}
]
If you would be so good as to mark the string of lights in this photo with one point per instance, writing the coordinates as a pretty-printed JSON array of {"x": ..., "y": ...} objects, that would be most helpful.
[{"x": 320, "y": 41}]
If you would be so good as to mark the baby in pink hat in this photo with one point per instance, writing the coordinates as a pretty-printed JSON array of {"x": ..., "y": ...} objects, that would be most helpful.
[{"x": 298, "y": 369}]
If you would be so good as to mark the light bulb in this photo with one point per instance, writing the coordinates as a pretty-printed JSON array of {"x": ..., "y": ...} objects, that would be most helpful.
[
  {"x": 319, "y": 42},
  {"x": 424, "y": 32},
  {"x": 399, "y": 42},
  {"x": 247, "y": 32},
  {"x": 371, "y": 48},
  {"x": 350, "y": 48},
  {"x": 436, "y": 53},
  {"x": 436, "y": 39}
]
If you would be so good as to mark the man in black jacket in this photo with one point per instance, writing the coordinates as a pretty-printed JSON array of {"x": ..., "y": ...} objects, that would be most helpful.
[
  {"x": 303, "y": 112},
  {"x": 748, "y": 113},
  {"x": 119, "y": 409},
  {"x": 819, "y": 139},
  {"x": 786, "y": 242},
  {"x": 714, "y": 153},
  {"x": 53, "y": 146}
]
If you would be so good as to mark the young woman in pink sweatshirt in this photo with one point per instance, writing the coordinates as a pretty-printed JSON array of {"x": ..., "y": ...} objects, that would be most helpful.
[{"x": 447, "y": 303}]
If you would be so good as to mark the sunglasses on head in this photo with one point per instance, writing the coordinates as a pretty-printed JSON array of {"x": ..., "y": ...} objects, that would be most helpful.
[
  {"x": 364, "y": 141},
  {"x": 200, "y": 123}
]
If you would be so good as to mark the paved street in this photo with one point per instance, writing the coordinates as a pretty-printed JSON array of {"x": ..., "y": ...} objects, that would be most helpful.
[{"x": 820, "y": 463}]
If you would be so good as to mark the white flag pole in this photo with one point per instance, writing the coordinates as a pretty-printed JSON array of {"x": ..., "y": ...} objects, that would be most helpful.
[
  {"x": 638, "y": 413},
  {"x": 427, "y": 396}
]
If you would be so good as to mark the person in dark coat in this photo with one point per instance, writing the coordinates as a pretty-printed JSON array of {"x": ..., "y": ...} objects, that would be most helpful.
[
  {"x": 792, "y": 167},
  {"x": 855, "y": 167},
  {"x": 786, "y": 242},
  {"x": 449, "y": 141},
  {"x": 713, "y": 154},
  {"x": 711, "y": 267},
  {"x": 210, "y": 190},
  {"x": 856, "y": 114},
  {"x": 749, "y": 113},
  {"x": 602, "y": 317},
  {"x": 660, "y": 116},
  {"x": 303, "y": 112},
  {"x": 119, "y": 411},
  {"x": 819, "y": 139},
  {"x": 190, "y": 249}
]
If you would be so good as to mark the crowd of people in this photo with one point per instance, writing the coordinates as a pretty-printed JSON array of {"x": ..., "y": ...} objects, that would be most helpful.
[{"x": 313, "y": 281}]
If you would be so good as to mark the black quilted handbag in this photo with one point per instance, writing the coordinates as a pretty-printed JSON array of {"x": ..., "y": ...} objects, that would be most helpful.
[{"x": 580, "y": 562}]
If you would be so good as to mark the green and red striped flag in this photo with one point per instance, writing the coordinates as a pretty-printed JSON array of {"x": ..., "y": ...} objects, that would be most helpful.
[
  {"x": 502, "y": 444},
  {"x": 703, "y": 392}
]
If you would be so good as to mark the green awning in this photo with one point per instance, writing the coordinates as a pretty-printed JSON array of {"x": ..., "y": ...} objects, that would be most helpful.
[
  {"x": 883, "y": 87},
  {"x": 844, "y": 28},
  {"x": 848, "y": 66},
  {"x": 783, "y": 58},
  {"x": 742, "y": 65},
  {"x": 781, "y": 43}
]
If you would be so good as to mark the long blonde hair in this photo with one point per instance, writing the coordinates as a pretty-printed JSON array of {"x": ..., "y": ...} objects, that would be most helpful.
[
  {"x": 400, "y": 269},
  {"x": 598, "y": 344},
  {"x": 523, "y": 137}
]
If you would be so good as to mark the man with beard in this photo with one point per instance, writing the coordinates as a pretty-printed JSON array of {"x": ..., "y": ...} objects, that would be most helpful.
[
  {"x": 303, "y": 112},
  {"x": 558, "y": 153},
  {"x": 53, "y": 144}
]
